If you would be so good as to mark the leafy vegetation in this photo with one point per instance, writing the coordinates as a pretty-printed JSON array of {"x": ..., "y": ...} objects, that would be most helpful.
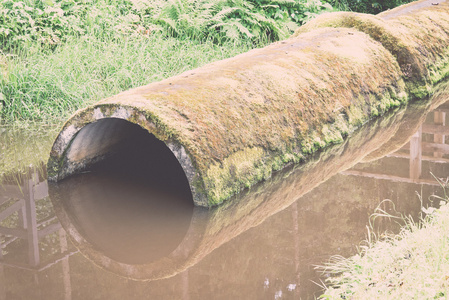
[
  {"x": 367, "y": 6},
  {"x": 237, "y": 19},
  {"x": 51, "y": 22},
  {"x": 58, "y": 55}
]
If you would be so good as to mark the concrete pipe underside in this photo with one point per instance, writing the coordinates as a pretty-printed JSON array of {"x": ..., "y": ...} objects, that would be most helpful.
[{"x": 230, "y": 124}]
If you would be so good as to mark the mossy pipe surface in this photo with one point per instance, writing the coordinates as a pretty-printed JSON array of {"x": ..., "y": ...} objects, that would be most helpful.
[
  {"x": 231, "y": 123},
  {"x": 79, "y": 207},
  {"x": 416, "y": 34}
]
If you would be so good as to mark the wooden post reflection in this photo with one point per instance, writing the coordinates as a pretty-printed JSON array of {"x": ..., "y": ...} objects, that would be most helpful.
[
  {"x": 65, "y": 265},
  {"x": 416, "y": 155},
  {"x": 31, "y": 222},
  {"x": 185, "y": 282},
  {"x": 297, "y": 249},
  {"x": 185, "y": 285},
  {"x": 432, "y": 149},
  {"x": 2, "y": 280},
  {"x": 439, "y": 118},
  {"x": 23, "y": 198}
]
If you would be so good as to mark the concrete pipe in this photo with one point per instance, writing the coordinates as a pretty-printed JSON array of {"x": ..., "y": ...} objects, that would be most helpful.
[
  {"x": 232, "y": 123},
  {"x": 156, "y": 235}
]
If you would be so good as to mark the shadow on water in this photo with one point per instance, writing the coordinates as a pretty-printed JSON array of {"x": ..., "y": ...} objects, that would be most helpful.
[{"x": 126, "y": 217}]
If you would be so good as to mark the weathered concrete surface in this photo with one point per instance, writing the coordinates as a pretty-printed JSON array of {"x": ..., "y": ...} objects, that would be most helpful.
[
  {"x": 210, "y": 229},
  {"x": 416, "y": 34},
  {"x": 233, "y": 122}
]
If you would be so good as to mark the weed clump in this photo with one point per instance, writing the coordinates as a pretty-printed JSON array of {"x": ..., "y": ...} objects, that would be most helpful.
[{"x": 413, "y": 264}]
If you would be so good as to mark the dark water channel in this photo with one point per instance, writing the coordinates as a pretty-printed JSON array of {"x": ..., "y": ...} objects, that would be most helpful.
[{"x": 119, "y": 232}]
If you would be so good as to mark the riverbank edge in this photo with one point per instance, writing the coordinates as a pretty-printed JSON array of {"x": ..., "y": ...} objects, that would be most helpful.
[
  {"x": 413, "y": 264},
  {"x": 227, "y": 150}
]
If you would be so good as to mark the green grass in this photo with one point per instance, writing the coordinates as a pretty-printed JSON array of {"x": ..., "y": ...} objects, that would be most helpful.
[
  {"x": 24, "y": 147},
  {"x": 367, "y": 6},
  {"x": 59, "y": 55},
  {"x": 50, "y": 22},
  {"x": 49, "y": 85},
  {"x": 413, "y": 264}
]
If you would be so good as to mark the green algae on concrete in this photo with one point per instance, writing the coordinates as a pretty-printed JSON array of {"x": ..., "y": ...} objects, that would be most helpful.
[
  {"x": 417, "y": 34},
  {"x": 209, "y": 231},
  {"x": 233, "y": 122}
]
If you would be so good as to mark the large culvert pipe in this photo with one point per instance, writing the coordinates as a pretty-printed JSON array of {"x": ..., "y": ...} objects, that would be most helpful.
[
  {"x": 157, "y": 235},
  {"x": 231, "y": 123}
]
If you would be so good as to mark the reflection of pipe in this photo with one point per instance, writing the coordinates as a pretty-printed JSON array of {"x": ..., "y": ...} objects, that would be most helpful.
[
  {"x": 209, "y": 229},
  {"x": 230, "y": 124},
  {"x": 406, "y": 130},
  {"x": 130, "y": 222}
]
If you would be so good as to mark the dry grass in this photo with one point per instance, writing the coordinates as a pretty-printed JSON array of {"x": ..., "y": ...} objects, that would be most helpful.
[{"x": 413, "y": 264}]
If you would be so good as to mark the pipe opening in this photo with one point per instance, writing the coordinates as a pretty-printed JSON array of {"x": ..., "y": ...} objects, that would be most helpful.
[
  {"x": 129, "y": 197},
  {"x": 121, "y": 147}
]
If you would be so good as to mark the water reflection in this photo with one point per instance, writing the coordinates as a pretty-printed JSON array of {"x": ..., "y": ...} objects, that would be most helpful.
[
  {"x": 129, "y": 222},
  {"x": 134, "y": 206},
  {"x": 425, "y": 153},
  {"x": 31, "y": 238},
  {"x": 261, "y": 245}
]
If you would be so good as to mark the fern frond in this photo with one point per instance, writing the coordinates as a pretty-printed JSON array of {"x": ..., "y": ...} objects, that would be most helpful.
[
  {"x": 170, "y": 22},
  {"x": 284, "y": 2},
  {"x": 213, "y": 5},
  {"x": 217, "y": 5},
  {"x": 242, "y": 28},
  {"x": 218, "y": 25},
  {"x": 269, "y": 6},
  {"x": 223, "y": 13},
  {"x": 231, "y": 32},
  {"x": 241, "y": 4},
  {"x": 261, "y": 18},
  {"x": 179, "y": 6}
]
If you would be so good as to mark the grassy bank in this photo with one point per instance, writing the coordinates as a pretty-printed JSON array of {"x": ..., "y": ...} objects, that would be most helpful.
[
  {"x": 413, "y": 264},
  {"x": 41, "y": 89},
  {"x": 59, "y": 55},
  {"x": 22, "y": 149},
  {"x": 48, "y": 85}
]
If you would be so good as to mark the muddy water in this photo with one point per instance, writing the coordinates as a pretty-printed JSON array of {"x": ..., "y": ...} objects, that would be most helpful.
[{"x": 118, "y": 232}]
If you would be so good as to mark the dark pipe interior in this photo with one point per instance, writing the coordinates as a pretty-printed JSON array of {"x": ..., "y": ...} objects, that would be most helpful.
[
  {"x": 126, "y": 149},
  {"x": 134, "y": 204}
]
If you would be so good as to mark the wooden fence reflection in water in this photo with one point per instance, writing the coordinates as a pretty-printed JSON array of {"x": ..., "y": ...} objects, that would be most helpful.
[
  {"x": 428, "y": 144},
  {"x": 21, "y": 198}
]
